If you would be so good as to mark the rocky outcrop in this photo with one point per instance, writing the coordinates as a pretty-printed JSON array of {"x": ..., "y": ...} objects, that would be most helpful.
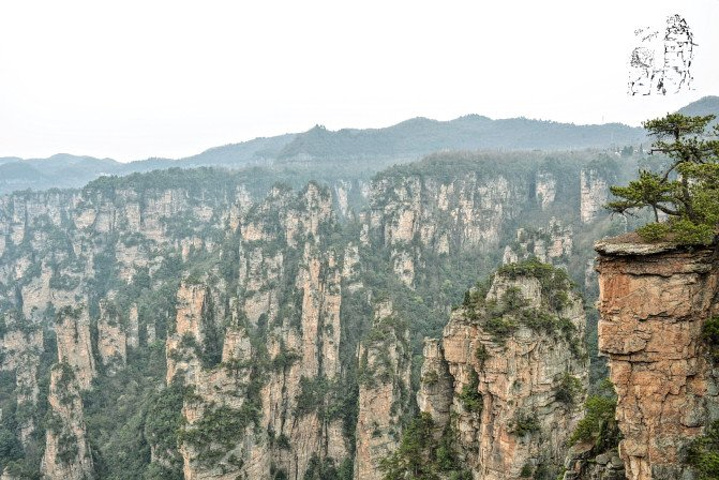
[
  {"x": 264, "y": 332},
  {"x": 185, "y": 345},
  {"x": 280, "y": 369},
  {"x": 545, "y": 189},
  {"x": 654, "y": 301},
  {"x": 20, "y": 350},
  {"x": 418, "y": 215},
  {"x": 384, "y": 376},
  {"x": 67, "y": 452},
  {"x": 594, "y": 194},
  {"x": 552, "y": 244},
  {"x": 583, "y": 464},
  {"x": 469, "y": 211},
  {"x": 74, "y": 346},
  {"x": 509, "y": 374},
  {"x": 111, "y": 339}
]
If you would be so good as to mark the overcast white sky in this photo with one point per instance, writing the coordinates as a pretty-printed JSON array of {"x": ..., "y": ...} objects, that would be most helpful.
[{"x": 133, "y": 79}]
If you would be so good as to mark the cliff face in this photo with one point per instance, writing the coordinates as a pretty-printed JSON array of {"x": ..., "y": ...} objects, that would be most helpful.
[
  {"x": 509, "y": 375},
  {"x": 552, "y": 244},
  {"x": 444, "y": 218},
  {"x": 384, "y": 376},
  {"x": 67, "y": 452},
  {"x": 654, "y": 301},
  {"x": 265, "y": 306},
  {"x": 74, "y": 345},
  {"x": 280, "y": 365},
  {"x": 21, "y": 349},
  {"x": 595, "y": 192},
  {"x": 112, "y": 341}
]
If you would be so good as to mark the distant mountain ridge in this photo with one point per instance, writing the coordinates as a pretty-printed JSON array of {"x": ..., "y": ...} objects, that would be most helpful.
[
  {"x": 704, "y": 106},
  {"x": 405, "y": 141},
  {"x": 708, "y": 105}
]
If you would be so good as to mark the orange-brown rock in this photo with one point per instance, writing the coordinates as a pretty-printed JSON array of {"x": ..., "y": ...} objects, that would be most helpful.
[
  {"x": 500, "y": 395},
  {"x": 385, "y": 370},
  {"x": 653, "y": 303},
  {"x": 67, "y": 451},
  {"x": 74, "y": 343},
  {"x": 111, "y": 339}
]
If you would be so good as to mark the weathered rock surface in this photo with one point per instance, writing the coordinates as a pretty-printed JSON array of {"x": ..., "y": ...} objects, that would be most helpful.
[
  {"x": 67, "y": 452},
  {"x": 111, "y": 339},
  {"x": 74, "y": 345},
  {"x": 20, "y": 349},
  {"x": 552, "y": 244},
  {"x": 385, "y": 370},
  {"x": 275, "y": 388},
  {"x": 594, "y": 194},
  {"x": 443, "y": 217},
  {"x": 500, "y": 395},
  {"x": 653, "y": 304},
  {"x": 262, "y": 343},
  {"x": 582, "y": 464},
  {"x": 546, "y": 189}
]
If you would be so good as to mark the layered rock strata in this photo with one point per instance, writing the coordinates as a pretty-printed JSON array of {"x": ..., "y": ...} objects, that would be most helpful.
[
  {"x": 510, "y": 390},
  {"x": 384, "y": 376},
  {"x": 67, "y": 451},
  {"x": 654, "y": 301}
]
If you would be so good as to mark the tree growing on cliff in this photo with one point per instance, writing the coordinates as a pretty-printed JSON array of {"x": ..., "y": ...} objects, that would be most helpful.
[{"x": 687, "y": 190}]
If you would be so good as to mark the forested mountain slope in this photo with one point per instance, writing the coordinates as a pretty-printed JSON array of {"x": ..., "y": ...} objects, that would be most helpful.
[
  {"x": 209, "y": 324},
  {"x": 349, "y": 151}
]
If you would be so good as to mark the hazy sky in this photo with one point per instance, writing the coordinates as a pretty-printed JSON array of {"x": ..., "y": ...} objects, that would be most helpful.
[{"x": 133, "y": 79}]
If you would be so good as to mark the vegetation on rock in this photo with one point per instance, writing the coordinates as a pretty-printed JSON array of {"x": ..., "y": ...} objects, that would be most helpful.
[
  {"x": 94, "y": 253},
  {"x": 599, "y": 427},
  {"x": 421, "y": 456},
  {"x": 710, "y": 335},
  {"x": 686, "y": 189},
  {"x": 470, "y": 396},
  {"x": 703, "y": 453},
  {"x": 501, "y": 318}
]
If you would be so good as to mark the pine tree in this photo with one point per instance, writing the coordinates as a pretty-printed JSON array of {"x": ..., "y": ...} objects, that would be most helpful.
[{"x": 687, "y": 191}]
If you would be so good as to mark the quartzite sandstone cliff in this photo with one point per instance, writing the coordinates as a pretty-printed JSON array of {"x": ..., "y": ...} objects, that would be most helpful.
[
  {"x": 654, "y": 300},
  {"x": 509, "y": 389},
  {"x": 275, "y": 313}
]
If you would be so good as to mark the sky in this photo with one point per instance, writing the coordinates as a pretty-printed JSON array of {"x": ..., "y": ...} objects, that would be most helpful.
[{"x": 133, "y": 79}]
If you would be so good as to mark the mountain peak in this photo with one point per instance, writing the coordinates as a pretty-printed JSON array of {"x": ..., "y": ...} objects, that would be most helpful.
[{"x": 708, "y": 105}]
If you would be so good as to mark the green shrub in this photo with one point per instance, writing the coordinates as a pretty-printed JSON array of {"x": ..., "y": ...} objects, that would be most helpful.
[
  {"x": 470, "y": 396},
  {"x": 525, "y": 423},
  {"x": 430, "y": 378},
  {"x": 219, "y": 430},
  {"x": 710, "y": 336},
  {"x": 283, "y": 442},
  {"x": 481, "y": 354},
  {"x": 67, "y": 449},
  {"x": 703, "y": 453},
  {"x": 598, "y": 425},
  {"x": 421, "y": 456},
  {"x": 654, "y": 232},
  {"x": 568, "y": 389}
]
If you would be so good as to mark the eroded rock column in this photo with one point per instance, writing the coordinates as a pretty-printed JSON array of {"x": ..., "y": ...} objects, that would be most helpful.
[{"x": 654, "y": 300}]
